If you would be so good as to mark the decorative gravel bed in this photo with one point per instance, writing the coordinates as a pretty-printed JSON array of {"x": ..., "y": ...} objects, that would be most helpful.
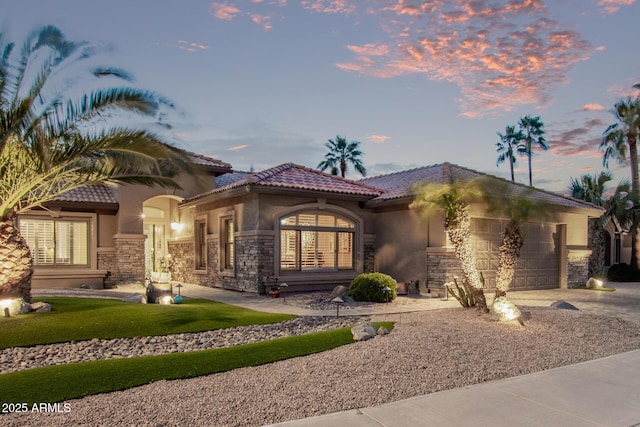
[
  {"x": 427, "y": 352},
  {"x": 19, "y": 358}
]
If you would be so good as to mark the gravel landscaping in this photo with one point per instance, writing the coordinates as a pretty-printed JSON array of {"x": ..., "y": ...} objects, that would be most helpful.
[{"x": 427, "y": 351}]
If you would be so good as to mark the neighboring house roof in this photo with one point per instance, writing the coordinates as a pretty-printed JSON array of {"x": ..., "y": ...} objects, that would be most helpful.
[
  {"x": 293, "y": 177},
  {"x": 230, "y": 178},
  {"x": 88, "y": 194},
  {"x": 398, "y": 186},
  {"x": 210, "y": 163}
]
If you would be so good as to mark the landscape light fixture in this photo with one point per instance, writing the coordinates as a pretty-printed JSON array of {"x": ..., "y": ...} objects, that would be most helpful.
[
  {"x": 386, "y": 290},
  {"x": 337, "y": 301},
  {"x": 284, "y": 287}
]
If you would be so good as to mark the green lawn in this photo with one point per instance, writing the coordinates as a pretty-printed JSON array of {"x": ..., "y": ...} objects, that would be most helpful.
[
  {"x": 76, "y": 319},
  {"x": 57, "y": 383}
]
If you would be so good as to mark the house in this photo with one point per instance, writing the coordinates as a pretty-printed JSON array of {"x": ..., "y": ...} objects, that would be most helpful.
[{"x": 296, "y": 225}]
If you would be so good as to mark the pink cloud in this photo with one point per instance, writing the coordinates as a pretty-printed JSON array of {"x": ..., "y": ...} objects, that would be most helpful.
[
  {"x": 500, "y": 54},
  {"x": 224, "y": 11},
  {"x": 263, "y": 20},
  {"x": 190, "y": 46},
  {"x": 329, "y": 6},
  {"x": 609, "y": 7},
  {"x": 592, "y": 107},
  {"x": 238, "y": 147},
  {"x": 378, "y": 139}
]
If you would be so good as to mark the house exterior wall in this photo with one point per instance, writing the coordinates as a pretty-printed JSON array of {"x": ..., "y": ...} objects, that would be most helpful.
[
  {"x": 410, "y": 248},
  {"x": 257, "y": 242}
]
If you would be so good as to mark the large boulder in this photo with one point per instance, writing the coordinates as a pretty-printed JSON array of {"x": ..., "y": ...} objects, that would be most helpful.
[
  {"x": 41, "y": 307},
  {"x": 135, "y": 298},
  {"x": 364, "y": 331},
  {"x": 504, "y": 310},
  {"x": 563, "y": 305},
  {"x": 339, "y": 291}
]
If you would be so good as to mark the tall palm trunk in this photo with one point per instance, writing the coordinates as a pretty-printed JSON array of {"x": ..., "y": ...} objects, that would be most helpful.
[
  {"x": 16, "y": 264},
  {"x": 459, "y": 231},
  {"x": 633, "y": 156},
  {"x": 512, "y": 242},
  {"x": 529, "y": 156}
]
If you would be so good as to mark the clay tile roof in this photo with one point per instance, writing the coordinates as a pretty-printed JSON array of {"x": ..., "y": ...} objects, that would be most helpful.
[
  {"x": 88, "y": 194},
  {"x": 399, "y": 185},
  {"x": 292, "y": 176},
  {"x": 206, "y": 161}
]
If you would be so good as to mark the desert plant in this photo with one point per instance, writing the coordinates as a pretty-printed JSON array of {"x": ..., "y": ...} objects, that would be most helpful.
[
  {"x": 371, "y": 287},
  {"x": 462, "y": 293}
]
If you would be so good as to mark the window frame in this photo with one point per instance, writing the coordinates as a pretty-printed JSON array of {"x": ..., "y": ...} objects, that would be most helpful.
[
  {"x": 200, "y": 232},
  {"x": 89, "y": 245},
  {"x": 298, "y": 233},
  {"x": 227, "y": 242}
]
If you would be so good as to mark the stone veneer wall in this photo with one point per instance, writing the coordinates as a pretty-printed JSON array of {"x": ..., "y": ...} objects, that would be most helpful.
[
  {"x": 129, "y": 261},
  {"x": 442, "y": 267},
  {"x": 183, "y": 253},
  {"x": 107, "y": 261},
  {"x": 369, "y": 255},
  {"x": 254, "y": 260},
  {"x": 577, "y": 268}
]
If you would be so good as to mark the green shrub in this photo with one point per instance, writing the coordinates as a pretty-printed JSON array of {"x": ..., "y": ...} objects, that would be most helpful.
[
  {"x": 370, "y": 287},
  {"x": 623, "y": 273}
]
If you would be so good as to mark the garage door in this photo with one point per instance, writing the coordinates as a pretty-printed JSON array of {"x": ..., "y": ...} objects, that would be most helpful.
[{"x": 537, "y": 267}]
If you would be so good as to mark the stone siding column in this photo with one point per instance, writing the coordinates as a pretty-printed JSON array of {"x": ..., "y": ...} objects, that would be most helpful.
[
  {"x": 577, "y": 267},
  {"x": 107, "y": 261},
  {"x": 129, "y": 257}
]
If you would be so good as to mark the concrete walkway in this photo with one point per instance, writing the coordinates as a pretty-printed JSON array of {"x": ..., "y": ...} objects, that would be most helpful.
[{"x": 602, "y": 392}]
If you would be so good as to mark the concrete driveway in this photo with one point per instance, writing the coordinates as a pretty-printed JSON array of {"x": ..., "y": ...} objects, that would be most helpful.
[{"x": 623, "y": 303}]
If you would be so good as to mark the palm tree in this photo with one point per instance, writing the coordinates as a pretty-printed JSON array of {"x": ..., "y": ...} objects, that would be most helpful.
[
  {"x": 618, "y": 140},
  {"x": 452, "y": 200},
  {"x": 50, "y": 144},
  {"x": 590, "y": 188},
  {"x": 340, "y": 154},
  {"x": 533, "y": 130},
  {"x": 510, "y": 142},
  {"x": 518, "y": 209}
]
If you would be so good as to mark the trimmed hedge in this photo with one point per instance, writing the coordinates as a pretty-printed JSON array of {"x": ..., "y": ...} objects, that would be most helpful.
[
  {"x": 370, "y": 287},
  {"x": 623, "y": 273}
]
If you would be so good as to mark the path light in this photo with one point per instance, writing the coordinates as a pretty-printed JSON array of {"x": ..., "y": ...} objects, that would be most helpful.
[
  {"x": 165, "y": 300},
  {"x": 178, "y": 298},
  {"x": 337, "y": 301},
  {"x": 386, "y": 290},
  {"x": 284, "y": 287}
]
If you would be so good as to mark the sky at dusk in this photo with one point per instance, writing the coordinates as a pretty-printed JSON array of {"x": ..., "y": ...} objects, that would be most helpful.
[{"x": 258, "y": 83}]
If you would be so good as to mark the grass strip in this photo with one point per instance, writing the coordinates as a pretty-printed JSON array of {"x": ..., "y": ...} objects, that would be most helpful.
[
  {"x": 77, "y": 319},
  {"x": 600, "y": 288},
  {"x": 64, "y": 382}
]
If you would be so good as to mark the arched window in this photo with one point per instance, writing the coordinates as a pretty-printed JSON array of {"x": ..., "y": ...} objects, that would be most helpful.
[{"x": 316, "y": 241}]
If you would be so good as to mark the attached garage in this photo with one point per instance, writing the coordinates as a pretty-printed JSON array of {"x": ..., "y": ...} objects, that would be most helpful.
[{"x": 538, "y": 265}]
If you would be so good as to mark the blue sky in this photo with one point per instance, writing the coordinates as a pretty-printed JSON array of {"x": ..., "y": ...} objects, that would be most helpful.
[{"x": 262, "y": 82}]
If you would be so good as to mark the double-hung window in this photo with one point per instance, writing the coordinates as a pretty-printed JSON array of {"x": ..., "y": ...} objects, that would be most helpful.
[
  {"x": 57, "y": 242},
  {"x": 227, "y": 231},
  {"x": 316, "y": 241}
]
